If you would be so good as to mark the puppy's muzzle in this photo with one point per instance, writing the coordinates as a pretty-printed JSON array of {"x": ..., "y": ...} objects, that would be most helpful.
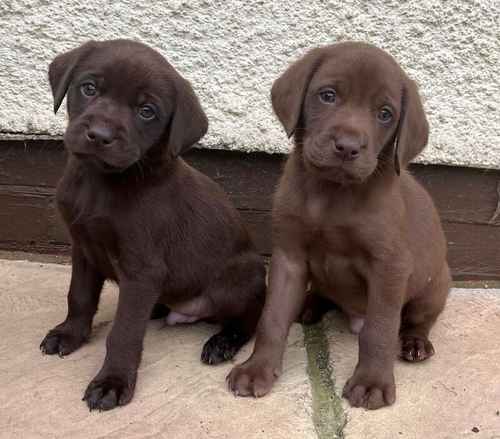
[
  {"x": 100, "y": 136},
  {"x": 348, "y": 148}
]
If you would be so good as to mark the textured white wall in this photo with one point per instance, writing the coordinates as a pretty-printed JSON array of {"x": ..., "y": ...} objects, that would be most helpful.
[{"x": 233, "y": 50}]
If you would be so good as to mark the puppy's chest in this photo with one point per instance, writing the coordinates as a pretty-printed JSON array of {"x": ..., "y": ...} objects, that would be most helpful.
[
  {"x": 330, "y": 225},
  {"x": 92, "y": 223},
  {"x": 337, "y": 244}
]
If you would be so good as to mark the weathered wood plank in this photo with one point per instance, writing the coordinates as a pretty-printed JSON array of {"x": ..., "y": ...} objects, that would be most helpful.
[
  {"x": 31, "y": 163},
  {"x": 42, "y": 247},
  {"x": 29, "y": 171},
  {"x": 461, "y": 194},
  {"x": 30, "y": 222},
  {"x": 473, "y": 251},
  {"x": 29, "y": 216},
  {"x": 24, "y": 214}
]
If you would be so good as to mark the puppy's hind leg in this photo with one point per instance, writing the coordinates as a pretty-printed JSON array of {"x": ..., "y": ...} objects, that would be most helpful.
[
  {"x": 419, "y": 315},
  {"x": 238, "y": 296}
]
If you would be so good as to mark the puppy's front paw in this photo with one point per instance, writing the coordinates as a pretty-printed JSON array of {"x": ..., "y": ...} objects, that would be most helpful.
[
  {"x": 415, "y": 349},
  {"x": 61, "y": 343},
  {"x": 108, "y": 392},
  {"x": 370, "y": 392},
  {"x": 252, "y": 378}
]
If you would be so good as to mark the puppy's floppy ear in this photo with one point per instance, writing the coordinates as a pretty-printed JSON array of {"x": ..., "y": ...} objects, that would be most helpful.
[
  {"x": 189, "y": 122},
  {"x": 413, "y": 128},
  {"x": 289, "y": 90},
  {"x": 61, "y": 71}
]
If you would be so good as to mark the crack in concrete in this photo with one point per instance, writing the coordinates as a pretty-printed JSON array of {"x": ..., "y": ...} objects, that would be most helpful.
[{"x": 328, "y": 414}]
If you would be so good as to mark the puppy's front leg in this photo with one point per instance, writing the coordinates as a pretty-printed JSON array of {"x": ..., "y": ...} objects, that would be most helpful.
[
  {"x": 114, "y": 384},
  {"x": 286, "y": 295},
  {"x": 372, "y": 384},
  {"x": 83, "y": 298}
]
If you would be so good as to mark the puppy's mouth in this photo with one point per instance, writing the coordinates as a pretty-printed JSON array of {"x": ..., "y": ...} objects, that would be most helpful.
[
  {"x": 337, "y": 174},
  {"x": 98, "y": 163},
  {"x": 114, "y": 160},
  {"x": 329, "y": 167},
  {"x": 107, "y": 159},
  {"x": 340, "y": 172}
]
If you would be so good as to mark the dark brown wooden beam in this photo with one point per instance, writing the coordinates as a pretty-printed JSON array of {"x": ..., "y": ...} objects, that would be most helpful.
[{"x": 466, "y": 199}]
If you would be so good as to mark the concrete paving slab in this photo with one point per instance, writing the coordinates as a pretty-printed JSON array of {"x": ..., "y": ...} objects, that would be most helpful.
[
  {"x": 176, "y": 395},
  {"x": 455, "y": 394}
]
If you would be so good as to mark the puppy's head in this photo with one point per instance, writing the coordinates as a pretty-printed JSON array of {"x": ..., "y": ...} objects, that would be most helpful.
[
  {"x": 351, "y": 109},
  {"x": 125, "y": 102}
]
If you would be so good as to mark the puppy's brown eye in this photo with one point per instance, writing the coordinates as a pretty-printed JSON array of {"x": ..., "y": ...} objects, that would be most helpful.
[
  {"x": 328, "y": 96},
  {"x": 147, "y": 112},
  {"x": 88, "y": 89},
  {"x": 385, "y": 115}
]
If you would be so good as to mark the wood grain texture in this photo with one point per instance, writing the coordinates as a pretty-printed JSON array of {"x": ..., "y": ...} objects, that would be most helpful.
[
  {"x": 465, "y": 195},
  {"x": 466, "y": 198}
]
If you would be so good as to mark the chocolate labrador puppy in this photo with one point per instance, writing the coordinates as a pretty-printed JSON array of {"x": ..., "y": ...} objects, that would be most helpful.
[
  {"x": 349, "y": 218},
  {"x": 140, "y": 216}
]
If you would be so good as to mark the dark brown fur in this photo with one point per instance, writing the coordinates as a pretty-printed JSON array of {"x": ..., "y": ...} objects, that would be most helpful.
[
  {"x": 349, "y": 217},
  {"x": 140, "y": 216}
]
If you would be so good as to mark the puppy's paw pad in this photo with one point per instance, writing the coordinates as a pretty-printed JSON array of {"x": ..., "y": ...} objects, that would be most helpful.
[
  {"x": 60, "y": 343},
  {"x": 369, "y": 394},
  {"x": 107, "y": 393},
  {"x": 218, "y": 349},
  {"x": 415, "y": 349},
  {"x": 251, "y": 380}
]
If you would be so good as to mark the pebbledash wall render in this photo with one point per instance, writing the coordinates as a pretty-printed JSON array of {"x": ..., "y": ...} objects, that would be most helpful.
[{"x": 232, "y": 51}]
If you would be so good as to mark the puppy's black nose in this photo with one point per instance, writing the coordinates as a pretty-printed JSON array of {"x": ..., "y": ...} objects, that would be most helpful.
[
  {"x": 347, "y": 148},
  {"x": 100, "y": 135}
]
